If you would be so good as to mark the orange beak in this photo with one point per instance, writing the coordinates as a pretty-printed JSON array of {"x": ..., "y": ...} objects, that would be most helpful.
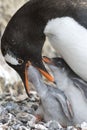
[
  {"x": 44, "y": 73},
  {"x": 26, "y": 77},
  {"x": 47, "y": 75},
  {"x": 47, "y": 60}
]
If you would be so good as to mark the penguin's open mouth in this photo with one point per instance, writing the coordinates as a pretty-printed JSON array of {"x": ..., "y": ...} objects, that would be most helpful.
[
  {"x": 17, "y": 62},
  {"x": 45, "y": 74},
  {"x": 47, "y": 60}
]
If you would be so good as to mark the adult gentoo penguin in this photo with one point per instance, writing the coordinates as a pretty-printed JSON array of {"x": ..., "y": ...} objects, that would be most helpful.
[
  {"x": 24, "y": 36},
  {"x": 74, "y": 88}
]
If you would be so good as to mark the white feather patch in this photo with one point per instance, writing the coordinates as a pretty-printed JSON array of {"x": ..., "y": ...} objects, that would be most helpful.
[
  {"x": 10, "y": 59},
  {"x": 69, "y": 39}
]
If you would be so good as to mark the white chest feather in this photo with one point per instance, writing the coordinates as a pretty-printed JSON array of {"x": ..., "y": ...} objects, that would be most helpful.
[{"x": 69, "y": 39}]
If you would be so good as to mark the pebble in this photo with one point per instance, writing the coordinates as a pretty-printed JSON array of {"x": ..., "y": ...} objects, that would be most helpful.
[
  {"x": 84, "y": 126},
  {"x": 53, "y": 125},
  {"x": 40, "y": 127}
]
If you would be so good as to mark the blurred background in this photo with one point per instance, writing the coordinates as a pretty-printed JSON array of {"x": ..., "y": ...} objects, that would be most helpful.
[{"x": 8, "y": 77}]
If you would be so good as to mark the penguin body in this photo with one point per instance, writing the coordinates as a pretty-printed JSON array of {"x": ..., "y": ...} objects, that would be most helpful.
[
  {"x": 24, "y": 37},
  {"x": 69, "y": 39}
]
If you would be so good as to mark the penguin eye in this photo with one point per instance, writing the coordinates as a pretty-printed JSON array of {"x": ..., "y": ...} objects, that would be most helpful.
[{"x": 20, "y": 61}]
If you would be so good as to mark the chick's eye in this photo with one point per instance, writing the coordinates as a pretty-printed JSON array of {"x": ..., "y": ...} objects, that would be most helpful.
[{"x": 20, "y": 61}]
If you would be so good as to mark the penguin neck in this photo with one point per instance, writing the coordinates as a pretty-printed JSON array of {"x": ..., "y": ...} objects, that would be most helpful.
[
  {"x": 40, "y": 87},
  {"x": 36, "y": 79},
  {"x": 61, "y": 77}
]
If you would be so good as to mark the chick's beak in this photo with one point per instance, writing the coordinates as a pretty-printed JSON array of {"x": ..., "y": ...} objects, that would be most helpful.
[{"x": 47, "y": 60}]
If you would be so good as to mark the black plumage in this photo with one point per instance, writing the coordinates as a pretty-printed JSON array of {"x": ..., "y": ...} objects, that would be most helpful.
[{"x": 24, "y": 35}]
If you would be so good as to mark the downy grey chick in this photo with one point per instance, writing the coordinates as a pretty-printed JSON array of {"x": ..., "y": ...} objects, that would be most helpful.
[
  {"x": 74, "y": 88},
  {"x": 54, "y": 104}
]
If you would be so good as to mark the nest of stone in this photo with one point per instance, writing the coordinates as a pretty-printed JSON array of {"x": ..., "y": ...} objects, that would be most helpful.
[{"x": 17, "y": 111}]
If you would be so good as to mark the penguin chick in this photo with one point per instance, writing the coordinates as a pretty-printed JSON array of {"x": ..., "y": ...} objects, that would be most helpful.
[
  {"x": 73, "y": 87},
  {"x": 54, "y": 104}
]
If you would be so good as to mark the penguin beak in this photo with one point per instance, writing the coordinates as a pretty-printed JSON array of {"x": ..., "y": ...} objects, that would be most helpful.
[
  {"x": 26, "y": 78},
  {"x": 47, "y": 60},
  {"x": 42, "y": 70},
  {"x": 40, "y": 66},
  {"x": 46, "y": 74}
]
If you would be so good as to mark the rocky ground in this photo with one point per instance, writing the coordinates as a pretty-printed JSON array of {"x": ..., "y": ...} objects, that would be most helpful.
[
  {"x": 16, "y": 108},
  {"x": 17, "y": 113}
]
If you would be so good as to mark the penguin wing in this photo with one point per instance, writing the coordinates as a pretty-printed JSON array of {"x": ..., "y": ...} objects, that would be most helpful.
[
  {"x": 64, "y": 102},
  {"x": 82, "y": 85}
]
